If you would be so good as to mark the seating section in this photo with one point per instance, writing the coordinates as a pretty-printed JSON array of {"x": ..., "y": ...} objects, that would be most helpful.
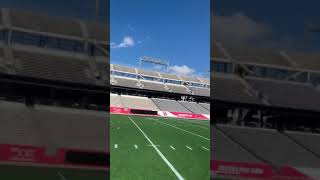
[
  {"x": 52, "y": 67},
  {"x": 149, "y": 80},
  {"x": 231, "y": 89},
  {"x": 169, "y": 105},
  {"x": 126, "y": 82},
  {"x": 205, "y": 105},
  {"x": 115, "y": 100},
  {"x": 288, "y": 94},
  {"x": 308, "y": 140},
  {"x": 124, "y": 69},
  {"x": 153, "y": 86},
  {"x": 155, "y": 104},
  {"x": 136, "y": 102},
  {"x": 53, "y": 127},
  {"x": 148, "y": 73},
  {"x": 178, "y": 89},
  {"x": 224, "y": 149},
  {"x": 272, "y": 146},
  {"x": 200, "y": 91},
  {"x": 194, "y": 107},
  {"x": 170, "y": 76},
  {"x": 190, "y": 79}
]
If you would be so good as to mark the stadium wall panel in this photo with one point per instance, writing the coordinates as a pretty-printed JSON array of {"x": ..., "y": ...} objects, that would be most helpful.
[
  {"x": 66, "y": 157},
  {"x": 255, "y": 171}
]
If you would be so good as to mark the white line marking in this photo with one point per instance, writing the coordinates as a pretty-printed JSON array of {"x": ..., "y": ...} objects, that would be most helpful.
[
  {"x": 205, "y": 148},
  {"x": 184, "y": 130},
  {"x": 116, "y": 146},
  {"x": 136, "y": 146},
  {"x": 189, "y": 147},
  {"x": 153, "y": 145},
  {"x": 62, "y": 176},
  {"x": 159, "y": 152},
  {"x": 172, "y": 147}
]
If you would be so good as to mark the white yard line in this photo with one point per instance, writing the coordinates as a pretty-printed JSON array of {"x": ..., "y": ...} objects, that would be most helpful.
[
  {"x": 116, "y": 146},
  {"x": 173, "y": 169},
  {"x": 189, "y": 147},
  {"x": 153, "y": 145},
  {"x": 205, "y": 148},
  {"x": 172, "y": 147},
  {"x": 184, "y": 130}
]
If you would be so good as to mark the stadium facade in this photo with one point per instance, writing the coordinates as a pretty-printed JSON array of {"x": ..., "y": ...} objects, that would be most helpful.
[
  {"x": 53, "y": 91},
  {"x": 266, "y": 113}
]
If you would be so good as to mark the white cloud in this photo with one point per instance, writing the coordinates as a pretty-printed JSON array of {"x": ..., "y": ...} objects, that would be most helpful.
[
  {"x": 240, "y": 29},
  {"x": 181, "y": 70},
  {"x": 127, "y": 41}
]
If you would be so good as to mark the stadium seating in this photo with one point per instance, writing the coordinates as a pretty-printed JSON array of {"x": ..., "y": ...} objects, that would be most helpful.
[
  {"x": 169, "y": 105},
  {"x": 205, "y": 105},
  {"x": 190, "y": 79},
  {"x": 152, "y": 80},
  {"x": 178, "y": 89},
  {"x": 272, "y": 146},
  {"x": 308, "y": 140},
  {"x": 136, "y": 102},
  {"x": 229, "y": 88},
  {"x": 156, "y": 86},
  {"x": 287, "y": 94},
  {"x": 53, "y": 127},
  {"x": 170, "y": 76},
  {"x": 126, "y": 82},
  {"x": 194, "y": 107},
  {"x": 52, "y": 66},
  {"x": 223, "y": 148},
  {"x": 115, "y": 100},
  {"x": 124, "y": 69},
  {"x": 148, "y": 73},
  {"x": 200, "y": 91}
]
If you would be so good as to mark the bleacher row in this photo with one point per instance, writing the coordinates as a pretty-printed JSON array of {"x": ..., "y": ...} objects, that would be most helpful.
[
  {"x": 261, "y": 91},
  {"x": 255, "y": 145},
  {"x": 156, "y": 104},
  {"x": 309, "y": 61},
  {"x": 53, "y": 127},
  {"x": 155, "y": 85},
  {"x": 26, "y": 55}
]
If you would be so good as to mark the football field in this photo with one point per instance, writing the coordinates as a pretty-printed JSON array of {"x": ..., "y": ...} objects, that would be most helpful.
[
  {"x": 45, "y": 173},
  {"x": 157, "y": 148}
]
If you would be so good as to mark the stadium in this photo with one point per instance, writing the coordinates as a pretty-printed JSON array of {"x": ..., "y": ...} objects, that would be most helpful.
[
  {"x": 53, "y": 97},
  {"x": 159, "y": 124},
  {"x": 266, "y": 115}
]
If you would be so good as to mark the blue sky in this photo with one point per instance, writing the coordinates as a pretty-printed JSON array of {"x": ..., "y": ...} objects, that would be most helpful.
[
  {"x": 280, "y": 24},
  {"x": 174, "y": 30}
]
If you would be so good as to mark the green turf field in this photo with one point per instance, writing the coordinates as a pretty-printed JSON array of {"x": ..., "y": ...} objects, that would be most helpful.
[
  {"x": 43, "y": 173},
  {"x": 155, "y": 148}
]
